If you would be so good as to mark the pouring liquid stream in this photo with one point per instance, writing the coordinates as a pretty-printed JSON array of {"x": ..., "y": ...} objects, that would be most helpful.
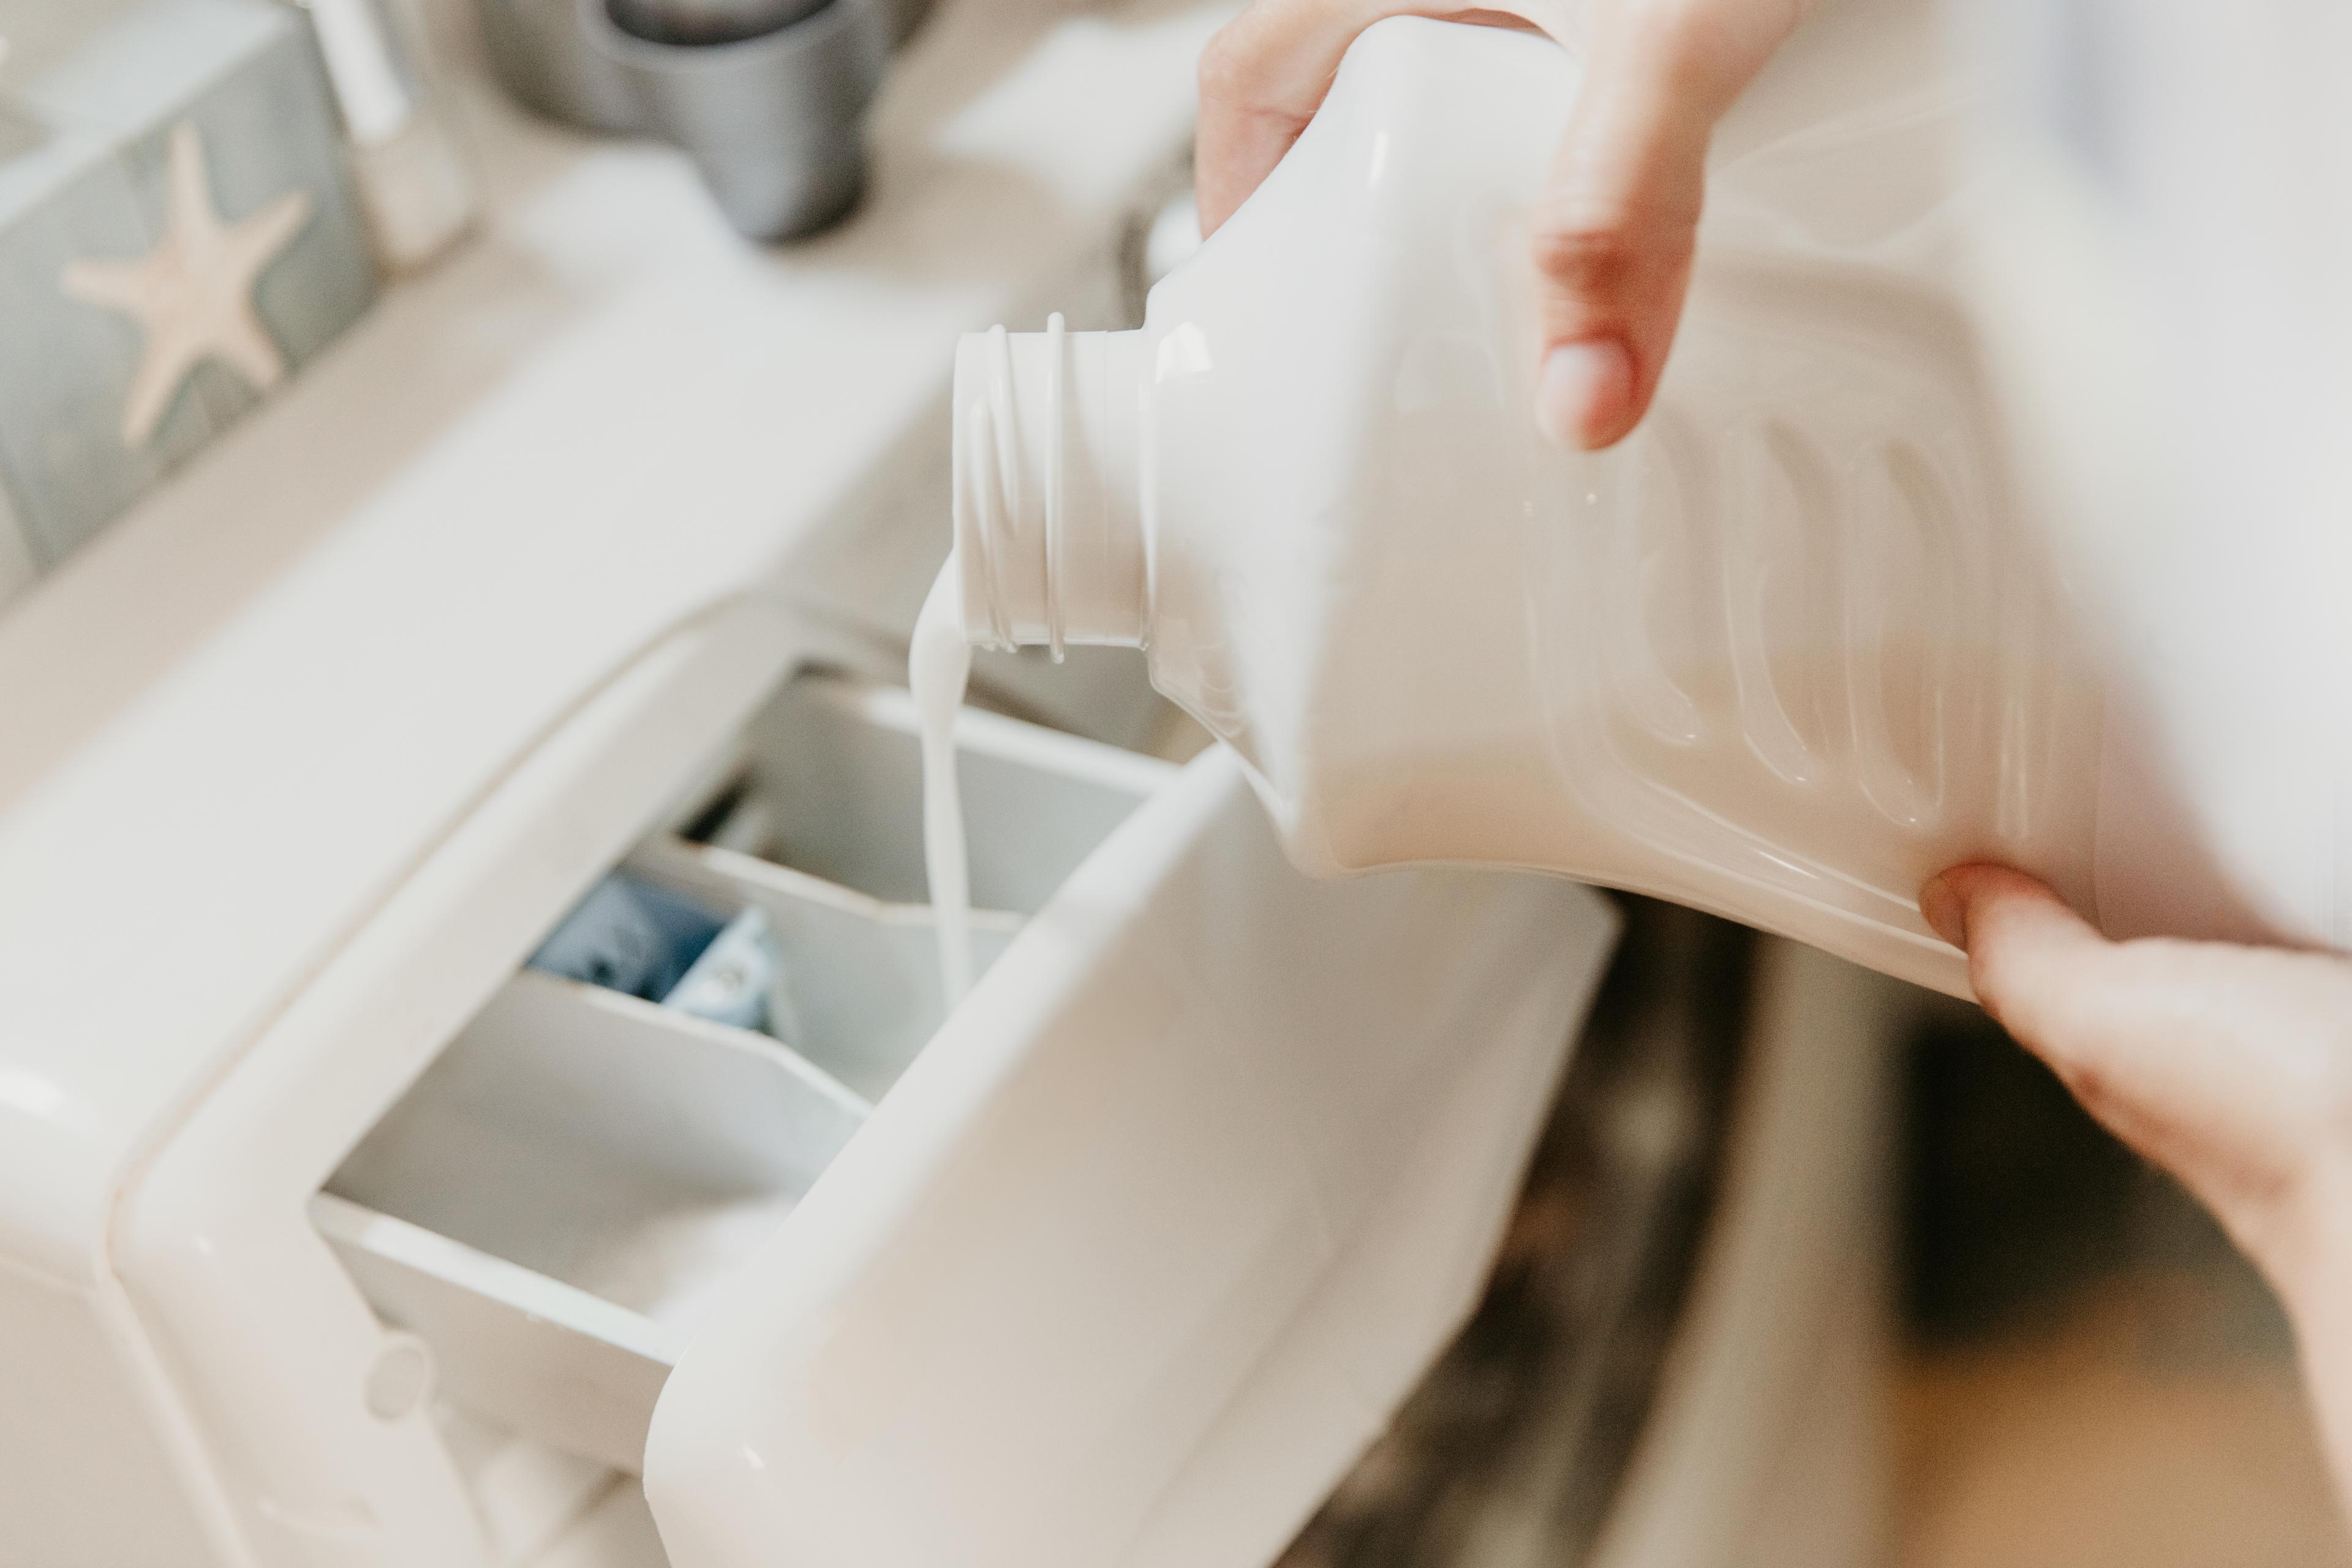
[{"x": 939, "y": 667}]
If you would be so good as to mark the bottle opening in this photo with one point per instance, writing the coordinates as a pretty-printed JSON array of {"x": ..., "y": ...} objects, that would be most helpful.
[{"x": 1048, "y": 433}]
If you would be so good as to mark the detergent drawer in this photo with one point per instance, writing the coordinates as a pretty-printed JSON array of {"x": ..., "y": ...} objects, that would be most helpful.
[
  {"x": 1123, "y": 1260},
  {"x": 555, "y": 1204},
  {"x": 1145, "y": 1244}
]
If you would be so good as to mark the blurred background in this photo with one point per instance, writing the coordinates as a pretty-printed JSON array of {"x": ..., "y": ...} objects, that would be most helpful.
[{"x": 2080, "y": 1368}]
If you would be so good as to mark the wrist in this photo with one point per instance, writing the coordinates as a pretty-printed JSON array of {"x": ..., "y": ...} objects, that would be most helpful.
[
  {"x": 2304, "y": 1248},
  {"x": 2309, "y": 1263}
]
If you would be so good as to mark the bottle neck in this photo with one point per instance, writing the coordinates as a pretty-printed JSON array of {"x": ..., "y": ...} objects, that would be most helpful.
[{"x": 1049, "y": 431}]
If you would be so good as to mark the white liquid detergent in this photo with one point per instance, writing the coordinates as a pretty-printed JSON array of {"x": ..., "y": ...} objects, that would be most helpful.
[
  {"x": 1786, "y": 653},
  {"x": 938, "y": 668}
]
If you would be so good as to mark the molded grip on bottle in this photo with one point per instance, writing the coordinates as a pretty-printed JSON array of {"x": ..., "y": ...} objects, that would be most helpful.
[{"x": 1050, "y": 436}]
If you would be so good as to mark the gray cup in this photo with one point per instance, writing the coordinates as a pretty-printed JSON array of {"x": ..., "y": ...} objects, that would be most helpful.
[
  {"x": 541, "y": 51},
  {"x": 773, "y": 121}
]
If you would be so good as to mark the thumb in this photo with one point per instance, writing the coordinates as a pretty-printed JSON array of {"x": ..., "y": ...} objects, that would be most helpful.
[
  {"x": 1619, "y": 217},
  {"x": 2225, "y": 1065}
]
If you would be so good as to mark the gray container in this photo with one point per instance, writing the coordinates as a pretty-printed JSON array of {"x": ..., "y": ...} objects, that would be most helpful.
[
  {"x": 768, "y": 97},
  {"x": 541, "y": 51}
]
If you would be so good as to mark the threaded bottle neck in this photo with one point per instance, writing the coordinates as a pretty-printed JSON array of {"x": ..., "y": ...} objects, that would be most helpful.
[{"x": 1047, "y": 463}]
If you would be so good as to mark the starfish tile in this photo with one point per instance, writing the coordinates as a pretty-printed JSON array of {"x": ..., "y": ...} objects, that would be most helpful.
[{"x": 192, "y": 296}]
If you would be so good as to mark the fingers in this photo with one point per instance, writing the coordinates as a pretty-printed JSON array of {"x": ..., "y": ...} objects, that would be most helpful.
[
  {"x": 2226, "y": 1065},
  {"x": 1261, "y": 78},
  {"x": 2037, "y": 966},
  {"x": 1619, "y": 219},
  {"x": 1263, "y": 75},
  {"x": 2111, "y": 1020},
  {"x": 2065, "y": 993}
]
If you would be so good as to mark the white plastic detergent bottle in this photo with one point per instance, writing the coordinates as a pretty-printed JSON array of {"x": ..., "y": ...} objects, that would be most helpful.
[{"x": 1787, "y": 651}]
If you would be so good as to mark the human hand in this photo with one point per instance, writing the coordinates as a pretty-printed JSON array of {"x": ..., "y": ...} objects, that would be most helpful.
[
  {"x": 2230, "y": 1066},
  {"x": 1619, "y": 216}
]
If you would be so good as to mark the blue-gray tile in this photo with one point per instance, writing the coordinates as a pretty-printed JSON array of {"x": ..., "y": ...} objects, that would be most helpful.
[
  {"x": 17, "y": 567},
  {"x": 246, "y": 75},
  {"x": 67, "y": 369}
]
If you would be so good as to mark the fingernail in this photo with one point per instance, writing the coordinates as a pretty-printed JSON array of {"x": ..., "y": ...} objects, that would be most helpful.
[
  {"x": 1581, "y": 396},
  {"x": 1939, "y": 901}
]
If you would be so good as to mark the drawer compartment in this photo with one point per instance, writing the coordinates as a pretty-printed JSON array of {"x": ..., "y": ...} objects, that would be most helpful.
[
  {"x": 557, "y": 1200},
  {"x": 572, "y": 1184},
  {"x": 859, "y": 992},
  {"x": 834, "y": 769}
]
